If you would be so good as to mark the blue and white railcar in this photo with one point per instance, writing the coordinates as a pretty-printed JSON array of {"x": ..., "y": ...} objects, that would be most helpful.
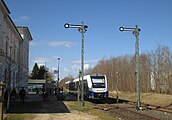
[{"x": 95, "y": 86}]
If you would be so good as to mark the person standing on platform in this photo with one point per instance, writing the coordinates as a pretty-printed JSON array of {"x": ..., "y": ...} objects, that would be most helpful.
[
  {"x": 22, "y": 94},
  {"x": 13, "y": 95}
]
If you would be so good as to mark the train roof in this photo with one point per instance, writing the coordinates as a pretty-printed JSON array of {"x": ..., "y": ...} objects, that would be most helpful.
[
  {"x": 92, "y": 75},
  {"x": 97, "y": 74},
  {"x": 68, "y": 82}
]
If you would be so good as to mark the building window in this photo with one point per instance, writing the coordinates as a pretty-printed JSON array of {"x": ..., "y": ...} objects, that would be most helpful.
[
  {"x": 6, "y": 47},
  {"x": 5, "y": 76},
  {"x": 10, "y": 52},
  {"x": 15, "y": 55}
]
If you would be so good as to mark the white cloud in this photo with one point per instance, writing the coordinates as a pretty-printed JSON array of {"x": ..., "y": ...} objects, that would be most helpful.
[
  {"x": 43, "y": 60},
  {"x": 33, "y": 43},
  {"x": 75, "y": 67},
  {"x": 36, "y": 43},
  {"x": 86, "y": 66},
  {"x": 76, "y": 61},
  {"x": 22, "y": 19},
  {"x": 61, "y": 43},
  {"x": 65, "y": 44},
  {"x": 86, "y": 61},
  {"x": 91, "y": 61},
  {"x": 66, "y": 69}
]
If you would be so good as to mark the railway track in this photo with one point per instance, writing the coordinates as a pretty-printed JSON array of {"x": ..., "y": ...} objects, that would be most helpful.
[
  {"x": 125, "y": 113},
  {"x": 126, "y": 110},
  {"x": 153, "y": 107},
  {"x": 131, "y": 115}
]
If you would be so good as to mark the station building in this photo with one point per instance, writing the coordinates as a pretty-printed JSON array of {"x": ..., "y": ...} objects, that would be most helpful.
[{"x": 14, "y": 51}]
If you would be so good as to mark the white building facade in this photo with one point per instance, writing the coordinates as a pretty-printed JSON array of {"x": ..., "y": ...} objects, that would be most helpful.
[
  {"x": 14, "y": 51},
  {"x": 24, "y": 56}
]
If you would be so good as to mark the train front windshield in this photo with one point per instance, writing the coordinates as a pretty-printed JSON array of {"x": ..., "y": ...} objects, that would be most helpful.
[{"x": 98, "y": 81}]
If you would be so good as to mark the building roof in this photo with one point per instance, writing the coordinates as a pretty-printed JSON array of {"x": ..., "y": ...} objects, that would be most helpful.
[
  {"x": 27, "y": 31},
  {"x": 7, "y": 12},
  {"x": 5, "y": 6}
]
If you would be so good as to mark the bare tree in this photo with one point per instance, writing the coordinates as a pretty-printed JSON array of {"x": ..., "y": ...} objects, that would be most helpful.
[{"x": 155, "y": 71}]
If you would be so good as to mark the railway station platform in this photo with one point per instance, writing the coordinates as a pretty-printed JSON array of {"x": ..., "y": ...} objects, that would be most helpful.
[{"x": 35, "y": 104}]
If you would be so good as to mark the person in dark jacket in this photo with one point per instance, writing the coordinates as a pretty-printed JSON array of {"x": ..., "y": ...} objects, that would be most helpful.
[
  {"x": 6, "y": 98},
  {"x": 13, "y": 95},
  {"x": 22, "y": 94}
]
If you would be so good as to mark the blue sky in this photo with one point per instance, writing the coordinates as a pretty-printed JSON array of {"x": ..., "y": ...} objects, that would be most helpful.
[{"x": 46, "y": 19}]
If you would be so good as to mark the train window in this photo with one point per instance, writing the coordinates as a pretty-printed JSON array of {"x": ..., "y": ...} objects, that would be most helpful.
[
  {"x": 99, "y": 80},
  {"x": 98, "y": 85}
]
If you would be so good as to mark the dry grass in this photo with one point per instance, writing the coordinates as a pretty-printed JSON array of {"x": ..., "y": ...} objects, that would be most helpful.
[
  {"x": 88, "y": 108},
  {"x": 20, "y": 116},
  {"x": 149, "y": 98},
  {"x": 157, "y": 99}
]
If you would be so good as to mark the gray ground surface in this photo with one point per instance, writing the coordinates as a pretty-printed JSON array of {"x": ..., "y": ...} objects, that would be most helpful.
[{"x": 51, "y": 109}]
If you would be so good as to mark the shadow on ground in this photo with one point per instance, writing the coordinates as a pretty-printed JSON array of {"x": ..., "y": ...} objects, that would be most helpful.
[
  {"x": 107, "y": 101},
  {"x": 35, "y": 104}
]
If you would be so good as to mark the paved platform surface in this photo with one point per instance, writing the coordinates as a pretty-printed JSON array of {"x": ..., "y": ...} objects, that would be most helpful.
[
  {"x": 53, "y": 109},
  {"x": 36, "y": 104}
]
